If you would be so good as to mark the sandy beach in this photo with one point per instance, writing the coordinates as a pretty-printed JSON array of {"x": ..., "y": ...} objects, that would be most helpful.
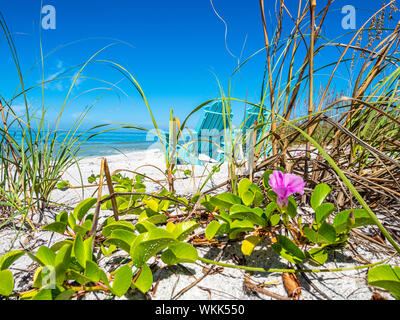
[
  {"x": 197, "y": 281},
  {"x": 149, "y": 162}
]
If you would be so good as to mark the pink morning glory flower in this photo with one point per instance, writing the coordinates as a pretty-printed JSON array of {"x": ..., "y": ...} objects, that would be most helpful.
[{"x": 284, "y": 185}]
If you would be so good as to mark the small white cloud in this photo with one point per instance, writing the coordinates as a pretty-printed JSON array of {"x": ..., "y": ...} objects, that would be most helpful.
[
  {"x": 77, "y": 78},
  {"x": 19, "y": 109},
  {"x": 56, "y": 84}
]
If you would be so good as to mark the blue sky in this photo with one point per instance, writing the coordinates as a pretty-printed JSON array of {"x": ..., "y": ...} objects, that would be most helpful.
[{"x": 175, "y": 49}]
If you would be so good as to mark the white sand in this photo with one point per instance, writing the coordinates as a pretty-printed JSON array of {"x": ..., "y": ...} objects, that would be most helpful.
[
  {"x": 144, "y": 162},
  {"x": 225, "y": 284}
]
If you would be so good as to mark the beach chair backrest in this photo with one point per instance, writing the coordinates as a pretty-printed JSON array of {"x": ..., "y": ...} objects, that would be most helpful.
[
  {"x": 250, "y": 117},
  {"x": 210, "y": 127},
  {"x": 211, "y": 118}
]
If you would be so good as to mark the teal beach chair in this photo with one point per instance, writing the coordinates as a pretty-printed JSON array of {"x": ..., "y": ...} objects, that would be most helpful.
[
  {"x": 250, "y": 118},
  {"x": 208, "y": 135},
  {"x": 210, "y": 131}
]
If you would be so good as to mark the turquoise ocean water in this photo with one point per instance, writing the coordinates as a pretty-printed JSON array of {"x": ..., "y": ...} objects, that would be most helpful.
[{"x": 106, "y": 143}]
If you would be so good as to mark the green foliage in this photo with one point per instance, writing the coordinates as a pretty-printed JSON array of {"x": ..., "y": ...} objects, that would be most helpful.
[
  {"x": 56, "y": 226},
  {"x": 148, "y": 244},
  {"x": 250, "y": 193},
  {"x": 145, "y": 279},
  {"x": 213, "y": 229},
  {"x": 323, "y": 211},
  {"x": 179, "y": 253},
  {"x": 6, "y": 282},
  {"x": 181, "y": 230},
  {"x": 113, "y": 225},
  {"x": 325, "y": 234},
  {"x": 249, "y": 212},
  {"x": 83, "y": 207},
  {"x": 242, "y": 212},
  {"x": 63, "y": 185},
  {"x": 287, "y": 249},
  {"x": 9, "y": 258},
  {"x": 321, "y": 191},
  {"x": 72, "y": 260},
  {"x": 320, "y": 255},
  {"x": 386, "y": 277},
  {"x": 224, "y": 201},
  {"x": 343, "y": 220},
  {"x": 321, "y": 232},
  {"x": 122, "y": 281},
  {"x": 121, "y": 238},
  {"x": 249, "y": 243},
  {"x": 245, "y": 214}
]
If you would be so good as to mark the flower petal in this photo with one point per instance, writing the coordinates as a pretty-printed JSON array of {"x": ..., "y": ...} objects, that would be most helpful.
[
  {"x": 284, "y": 185},
  {"x": 276, "y": 179},
  {"x": 294, "y": 183}
]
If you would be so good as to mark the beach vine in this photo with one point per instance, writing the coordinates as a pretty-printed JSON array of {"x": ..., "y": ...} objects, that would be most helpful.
[{"x": 70, "y": 268}]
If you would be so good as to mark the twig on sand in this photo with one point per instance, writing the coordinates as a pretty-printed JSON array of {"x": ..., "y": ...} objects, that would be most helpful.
[
  {"x": 253, "y": 287},
  {"x": 202, "y": 277},
  {"x": 98, "y": 204},
  {"x": 111, "y": 189},
  {"x": 307, "y": 279}
]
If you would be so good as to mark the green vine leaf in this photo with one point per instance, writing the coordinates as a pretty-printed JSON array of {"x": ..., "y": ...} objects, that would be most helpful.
[
  {"x": 247, "y": 198},
  {"x": 320, "y": 255},
  {"x": 6, "y": 282},
  {"x": 45, "y": 256},
  {"x": 319, "y": 194},
  {"x": 92, "y": 271},
  {"x": 121, "y": 238},
  {"x": 179, "y": 253},
  {"x": 65, "y": 295},
  {"x": 153, "y": 217},
  {"x": 79, "y": 251},
  {"x": 212, "y": 229},
  {"x": 82, "y": 208},
  {"x": 292, "y": 207},
  {"x": 125, "y": 225},
  {"x": 62, "y": 217},
  {"x": 239, "y": 226},
  {"x": 244, "y": 185},
  {"x": 56, "y": 226},
  {"x": 225, "y": 201},
  {"x": 266, "y": 175},
  {"x": 249, "y": 244},
  {"x": 80, "y": 278},
  {"x": 44, "y": 294},
  {"x": 122, "y": 281},
  {"x": 242, "y": 212},
  {"x": 63, "y": 185},
  {"x": 183, "y": 229},
  {"x": 274, "y": 220},
  {"x": 361, "y": 218},
  {"x": 325, "y": 234},
  {"x": 323, "y": 212},
  {"x": 386, "y": 277},
  {"x": 61, "y": 262},
  {"x": 9, "y": 258},
  {"x": 145, "y": 279},
  {"x": 148, "y": 244},
  {"x": 288, "y": 250}
]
